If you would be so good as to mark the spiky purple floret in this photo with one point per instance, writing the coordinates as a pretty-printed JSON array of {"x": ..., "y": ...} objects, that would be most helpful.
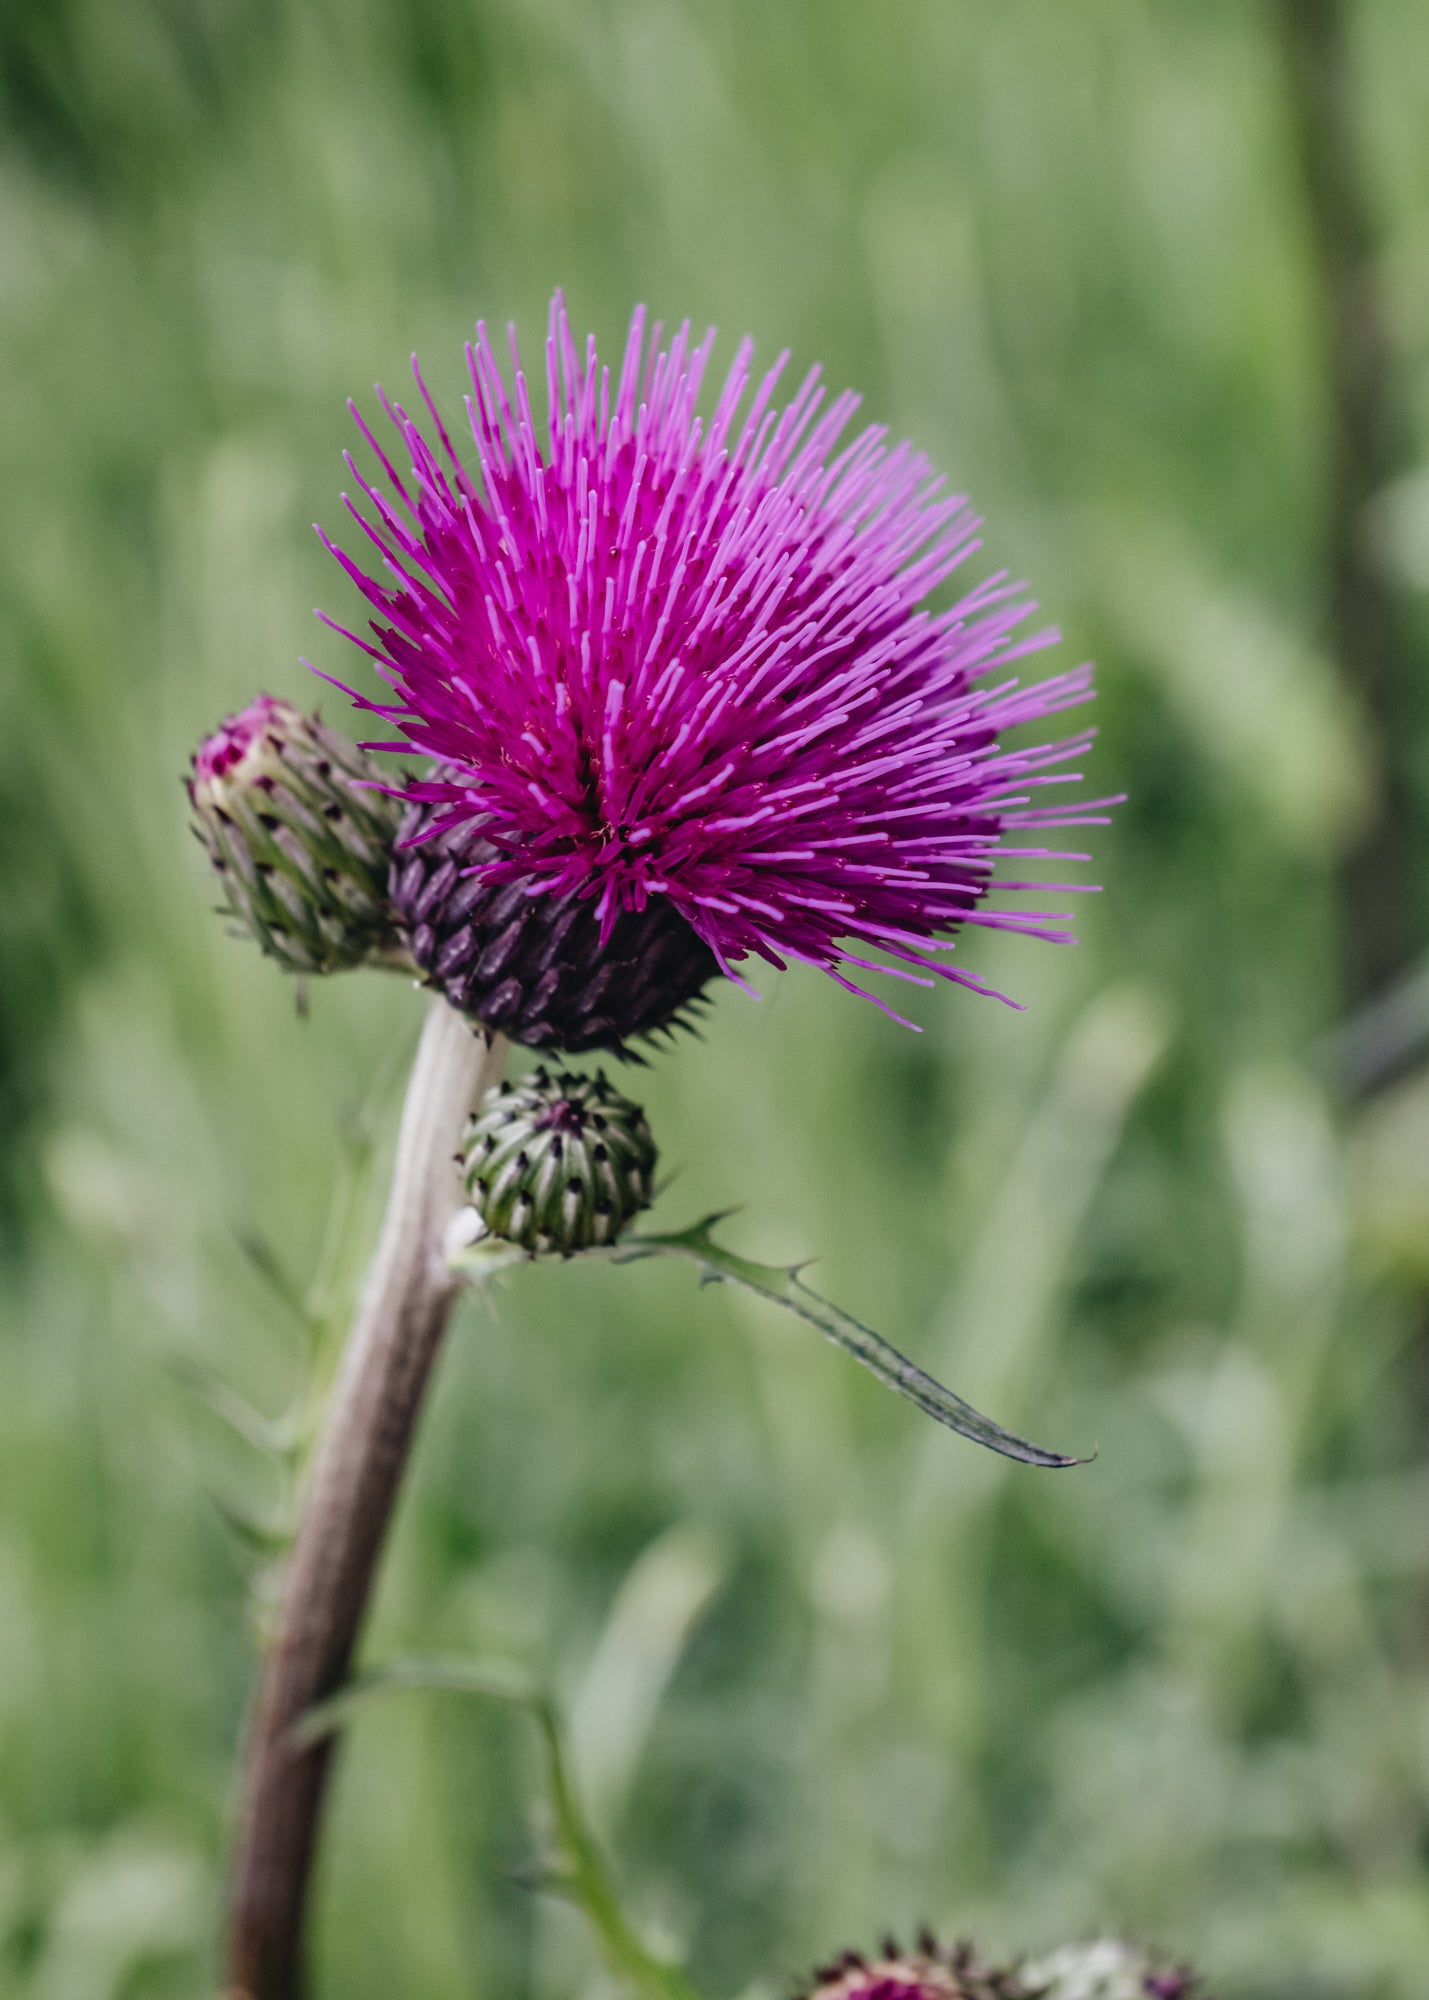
[{"x": 655, "y": 658}]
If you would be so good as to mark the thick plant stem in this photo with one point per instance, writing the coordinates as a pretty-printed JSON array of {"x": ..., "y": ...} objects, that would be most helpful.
[{"x": 355, "y": 1476}]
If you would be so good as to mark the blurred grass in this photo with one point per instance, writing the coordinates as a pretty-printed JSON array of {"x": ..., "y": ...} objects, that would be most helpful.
[{"x": 1183, "y": 1691}]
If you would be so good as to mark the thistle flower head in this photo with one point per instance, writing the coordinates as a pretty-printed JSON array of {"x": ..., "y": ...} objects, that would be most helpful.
[
  {"x": 300, "y": 835},
  {"x": 1106, "y": 1969},
  {"x": 929, "y": 1973},
  {"x": 685, "y": 694}
]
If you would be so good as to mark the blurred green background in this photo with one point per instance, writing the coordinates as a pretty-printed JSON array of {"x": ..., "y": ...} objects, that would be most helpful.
[{"x": 829, "y": 1670}]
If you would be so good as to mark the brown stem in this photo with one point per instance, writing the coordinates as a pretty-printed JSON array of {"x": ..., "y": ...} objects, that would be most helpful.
[
  {"x": 1379, "y": 926},
  {"x": 355, "y": 1476}
]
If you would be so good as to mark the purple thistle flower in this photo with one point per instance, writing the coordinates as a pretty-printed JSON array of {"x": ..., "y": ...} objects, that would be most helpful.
[
  {"x": 928, "y": 1973},
  {"x": 685, "y": 701}
]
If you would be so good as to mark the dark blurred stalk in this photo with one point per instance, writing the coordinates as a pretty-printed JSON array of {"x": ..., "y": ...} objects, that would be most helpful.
[
  {"x": 1379, "y": 928},
  {"x": 355, "y": 1477}
]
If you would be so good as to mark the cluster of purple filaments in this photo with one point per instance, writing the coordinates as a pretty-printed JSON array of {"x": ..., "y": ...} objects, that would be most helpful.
[{"x": 654, "y": 657}]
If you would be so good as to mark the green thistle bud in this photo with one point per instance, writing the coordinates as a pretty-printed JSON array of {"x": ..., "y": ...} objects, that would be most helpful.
[
  {"x": 558, "y": 1163},
  {"x": 300, "y": 843}
]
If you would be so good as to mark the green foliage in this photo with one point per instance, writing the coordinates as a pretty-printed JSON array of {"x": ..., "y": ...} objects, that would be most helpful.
[
  {"x": 828, "y": 1669},
  {"x": 574, "y": 1866}
]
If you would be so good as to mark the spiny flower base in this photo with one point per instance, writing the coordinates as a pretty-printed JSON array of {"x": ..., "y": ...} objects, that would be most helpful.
[
  {"x": 300, "y": 836},
  {"x": 558, "y": 1164},
  {"x": 534, "y": 967}
]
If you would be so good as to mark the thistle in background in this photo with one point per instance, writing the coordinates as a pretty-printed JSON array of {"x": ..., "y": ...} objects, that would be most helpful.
[
  {"x": 685, "y": 700},
  {"x": 300, "y": 835},
  {"x": 929, "y": 1973},
  {"x": 1107, "y": 1969}
]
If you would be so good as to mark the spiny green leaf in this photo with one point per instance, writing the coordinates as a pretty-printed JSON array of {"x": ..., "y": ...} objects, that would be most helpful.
[
  {"x": 579, "y": 1870},
  {"x": 782, "y": 1285}
]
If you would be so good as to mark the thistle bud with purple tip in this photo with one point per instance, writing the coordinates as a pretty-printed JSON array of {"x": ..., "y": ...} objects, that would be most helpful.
[{"x": 300, "y": 836}]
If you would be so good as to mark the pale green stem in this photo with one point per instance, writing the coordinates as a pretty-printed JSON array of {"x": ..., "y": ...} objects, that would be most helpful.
[{"x": 353, "y": 1484}]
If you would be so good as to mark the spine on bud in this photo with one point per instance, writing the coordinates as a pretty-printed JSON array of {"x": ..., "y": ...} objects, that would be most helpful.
[{"x": 300, "y": 838}]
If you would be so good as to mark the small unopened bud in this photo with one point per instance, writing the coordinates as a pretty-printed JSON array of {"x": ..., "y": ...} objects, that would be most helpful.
[
  {"x": 1107, "y": 1969},
  {"x": 300, "y": 841},
  {"x": 558, "y": 1163}
]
